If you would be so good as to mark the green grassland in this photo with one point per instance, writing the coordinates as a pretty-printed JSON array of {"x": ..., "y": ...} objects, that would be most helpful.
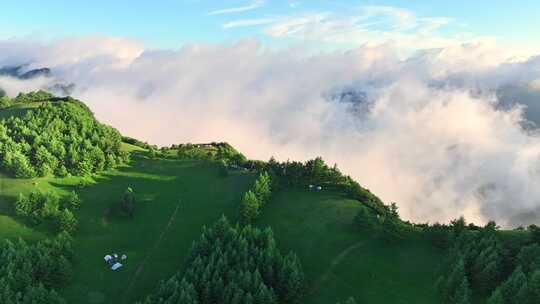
[
  {"x": 340, "y": 260},
  {"x": 175, "y": 199}
]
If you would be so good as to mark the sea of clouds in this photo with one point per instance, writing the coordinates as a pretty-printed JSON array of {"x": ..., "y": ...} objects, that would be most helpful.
[{"x": 442, "y": 132}]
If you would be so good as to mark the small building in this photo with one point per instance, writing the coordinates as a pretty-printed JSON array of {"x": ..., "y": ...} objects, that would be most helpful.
[{"x": 319, "y": 188}]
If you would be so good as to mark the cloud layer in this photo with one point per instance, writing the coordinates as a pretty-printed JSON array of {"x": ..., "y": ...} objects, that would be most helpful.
[{"x": 427, "y": 131}]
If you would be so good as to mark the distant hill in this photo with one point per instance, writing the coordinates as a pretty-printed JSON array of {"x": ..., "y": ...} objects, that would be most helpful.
[{"x": 21, "y": 72}]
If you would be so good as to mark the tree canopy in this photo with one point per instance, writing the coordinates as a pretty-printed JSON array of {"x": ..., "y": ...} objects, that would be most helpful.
[
  {"x": 234, "y": 265},
  {"x": 57, "y": 138}
]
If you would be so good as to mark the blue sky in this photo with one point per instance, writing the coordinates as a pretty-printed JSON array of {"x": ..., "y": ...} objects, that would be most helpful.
[{"x": 171, "y": 23}]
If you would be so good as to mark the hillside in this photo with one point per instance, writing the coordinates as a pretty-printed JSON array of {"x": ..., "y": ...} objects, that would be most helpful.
[
  {"x": 340, "y": 260},
  {"x": 289, "y": 241}
]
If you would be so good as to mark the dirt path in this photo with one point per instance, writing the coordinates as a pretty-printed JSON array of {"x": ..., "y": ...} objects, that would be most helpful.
[
  {"x": 335, "y": 262},
  {"x": 147, "y": 257}
]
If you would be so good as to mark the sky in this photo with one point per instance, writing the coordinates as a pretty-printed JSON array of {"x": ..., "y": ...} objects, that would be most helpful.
[
  {"x": 320, "y": 23},
  {"x": 434, "y": 105}
]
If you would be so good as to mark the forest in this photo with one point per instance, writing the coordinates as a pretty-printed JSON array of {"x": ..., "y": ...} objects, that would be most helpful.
[
  {"x": 234, "y": 265},
  {"x": 56, "y": 138}
]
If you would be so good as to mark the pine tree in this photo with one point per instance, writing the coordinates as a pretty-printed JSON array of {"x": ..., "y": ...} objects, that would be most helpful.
[
  {"x": 455, "y": 280},
  {"x": 512, "y": 286},
  {"x": 67, "y": 221},
  {"x": 529, "y": 258},
  {"x": 463, "y": 294},
  {"x": 71, "y": 201},
  {"x": 534, "y": 286},
  {"x": 128, "y": 202},
  {"x": 262, "y": 187},
  {"x": 496, "y": 297},
  {"x": 249, "y": 208}
]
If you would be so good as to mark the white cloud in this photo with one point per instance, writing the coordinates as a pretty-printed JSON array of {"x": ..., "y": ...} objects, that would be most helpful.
[
  {"x": 535, "y": 84},
  {"x": 248, "y": 22},
  {"x": 254, "y": 5},
  {"x": 427, "y": 133},
  {"x": 13, "y": 86},
  {"x": 364, "y": 25},
  {"x": 400, "y": 19}
]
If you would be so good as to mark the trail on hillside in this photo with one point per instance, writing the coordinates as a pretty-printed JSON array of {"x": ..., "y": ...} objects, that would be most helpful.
[
  {"x": 151, "y": 251},
  {"x": 335, "y": 262}
]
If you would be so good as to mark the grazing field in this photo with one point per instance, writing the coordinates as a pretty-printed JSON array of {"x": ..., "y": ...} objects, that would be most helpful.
[
  {"x": 341, "y": 261},
  {"x": 174, "y": 200}
]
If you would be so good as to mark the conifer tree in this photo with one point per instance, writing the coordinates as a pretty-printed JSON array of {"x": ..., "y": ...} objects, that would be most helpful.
[
  {"x": 513, "y": 285},
  {"x": 496, "y": 297},
  {"x": 262, "y": 187},
  {"x": 450, "y": 285},
  {"x": 463, "y": 293},
  {"x": 128, "y": 202},
  {"x": 249, "y": 207},
  {"x": 67, "y": 221},
  {"x": 534, "y": 287}
]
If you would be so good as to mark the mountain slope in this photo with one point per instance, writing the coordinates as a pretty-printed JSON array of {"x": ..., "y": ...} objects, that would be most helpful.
[{"x": 154, "y": 205}]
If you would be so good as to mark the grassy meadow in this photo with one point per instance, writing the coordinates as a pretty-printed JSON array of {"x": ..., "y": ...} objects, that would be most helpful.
[
  {"x": 174, "y": 200},
  {"x": 340, "y": 260}
]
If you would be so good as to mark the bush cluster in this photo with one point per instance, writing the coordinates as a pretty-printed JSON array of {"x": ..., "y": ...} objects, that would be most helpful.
[{"x": 41, "y": 206}]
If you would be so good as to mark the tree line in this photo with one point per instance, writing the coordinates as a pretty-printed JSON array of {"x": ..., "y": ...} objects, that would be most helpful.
[
  {"x": 480, "y": 262},
  {"x": 317, "y": 172},
  {"x": 57, "y": 138},
  {"x": 215, "y": 151},
  {"x": 234, "y": 265},
  {"x": 29, "y": 273}
]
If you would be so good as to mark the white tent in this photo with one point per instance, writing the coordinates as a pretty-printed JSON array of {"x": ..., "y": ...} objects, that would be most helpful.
[
  {"x": 107, "y": 258},
  {"x": 319, "y": 188},
  {"x": 116, "y": 266}
]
